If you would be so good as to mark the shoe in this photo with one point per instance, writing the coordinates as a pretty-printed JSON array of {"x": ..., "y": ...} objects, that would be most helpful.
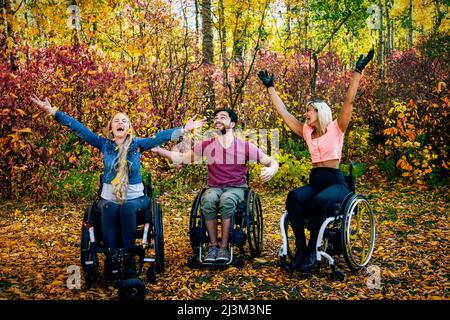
[
  {"x": 112, "y": 269},
  {"x": 211, "y": 255},
  {"x": 223, "y": 255},
  {"x": 308, "y": 262},
  {"x": 129, "y": 266},
  {"x": 299, "y": 253}
]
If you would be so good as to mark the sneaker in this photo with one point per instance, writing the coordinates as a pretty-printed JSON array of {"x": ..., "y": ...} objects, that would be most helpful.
[
  {"x": 223, "y": 255},
  {"x": 211, "y": 255}
]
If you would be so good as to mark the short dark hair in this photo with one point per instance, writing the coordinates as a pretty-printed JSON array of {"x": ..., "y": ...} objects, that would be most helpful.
[{"x": 233, "y": 116}]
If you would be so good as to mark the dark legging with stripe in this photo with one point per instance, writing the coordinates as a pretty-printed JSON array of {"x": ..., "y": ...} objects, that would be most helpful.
[{"x": 326, "y": 187}]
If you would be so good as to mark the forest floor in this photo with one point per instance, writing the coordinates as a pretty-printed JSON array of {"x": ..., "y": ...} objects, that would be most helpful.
[{"x": 40, "y": 240}]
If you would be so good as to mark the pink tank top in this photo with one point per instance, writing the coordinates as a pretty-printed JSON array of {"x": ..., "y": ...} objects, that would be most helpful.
[{"x": 326, "y": 147}]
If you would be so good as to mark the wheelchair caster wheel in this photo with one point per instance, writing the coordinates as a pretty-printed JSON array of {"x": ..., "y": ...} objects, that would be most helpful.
[
  {"x": 337, "y": 275},
  {"x": 131, "y": 289},
  {"x": 192, "y": 262},
  {"x": 151, "y": 273},
  {"x": 239, "y": 262}
]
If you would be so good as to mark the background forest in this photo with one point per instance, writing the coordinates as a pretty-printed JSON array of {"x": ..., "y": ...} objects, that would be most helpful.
[{"x": 164, "y": 61}]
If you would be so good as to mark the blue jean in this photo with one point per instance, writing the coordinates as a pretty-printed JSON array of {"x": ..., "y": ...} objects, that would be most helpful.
[{"x": 113, "y": 212}]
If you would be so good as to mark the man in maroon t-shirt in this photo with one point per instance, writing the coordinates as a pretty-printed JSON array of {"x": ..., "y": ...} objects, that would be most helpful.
[{"x": 227, "y": 158}]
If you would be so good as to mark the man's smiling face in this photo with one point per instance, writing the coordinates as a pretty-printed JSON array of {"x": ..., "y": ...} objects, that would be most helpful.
[{"x": 222, "y": 122}]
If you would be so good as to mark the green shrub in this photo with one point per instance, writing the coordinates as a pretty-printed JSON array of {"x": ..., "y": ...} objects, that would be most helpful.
[{"x": 293, "y": 172}]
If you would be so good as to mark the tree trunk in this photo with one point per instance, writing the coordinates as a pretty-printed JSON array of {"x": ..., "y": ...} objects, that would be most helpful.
[
  {"x": 306, "y": 23},
  {"x": 12, "y": 52},
  {"x": 392, "y": 35},
  {"x": 197, "y": 27},
  {"x": 410, "y": 33},
  {"x": 208, "y": 51},
  {"x": 381, "y": 40},
  {"x": 3, "y": 27},
  {"x": 223, "y": 40},
  {"x": 238, "y": 44},
  {"x": 439, "y": 16},
  {"x": 238, "y": 52},
  {"x": 288, "y": 27},
  {"x": 388, "y": 28}
]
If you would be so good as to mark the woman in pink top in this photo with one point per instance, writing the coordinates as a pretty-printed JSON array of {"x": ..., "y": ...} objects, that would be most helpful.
[{"x": 327, "y": 185}]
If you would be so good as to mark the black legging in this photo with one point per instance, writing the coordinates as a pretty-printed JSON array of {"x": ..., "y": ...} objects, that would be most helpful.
[{"x": 326, "y": 187}]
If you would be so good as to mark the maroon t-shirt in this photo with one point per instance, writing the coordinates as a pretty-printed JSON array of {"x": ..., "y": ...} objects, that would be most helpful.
[{"x": 227, "y": 167}]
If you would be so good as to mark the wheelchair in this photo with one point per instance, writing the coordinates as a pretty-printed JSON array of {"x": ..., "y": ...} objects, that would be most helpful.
[
  {"x": 149, "y": 250},
  {"x": 246, "y": 227},
  {"x": 348, "y": 230}
]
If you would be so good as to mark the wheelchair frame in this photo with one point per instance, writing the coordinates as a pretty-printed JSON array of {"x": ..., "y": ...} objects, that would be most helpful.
[
  {"x": 248, "y": 217},
  {"x": 151, "y": 233},
  {"x": 354, "y": 204}
]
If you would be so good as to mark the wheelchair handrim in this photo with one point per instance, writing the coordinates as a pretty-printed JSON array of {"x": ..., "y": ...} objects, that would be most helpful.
[
  {"x": 347, "y": 235},
  {"x": 254, "y": 226}
]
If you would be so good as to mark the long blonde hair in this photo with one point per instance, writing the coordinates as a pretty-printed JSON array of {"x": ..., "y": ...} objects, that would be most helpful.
[{"x": 120, "y": 181}]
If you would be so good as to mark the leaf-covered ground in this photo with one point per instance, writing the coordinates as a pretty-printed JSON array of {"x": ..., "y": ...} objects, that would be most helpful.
[{"x": 39, "y": 241}]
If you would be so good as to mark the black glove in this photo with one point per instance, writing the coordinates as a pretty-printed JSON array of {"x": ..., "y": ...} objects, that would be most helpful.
[
  {"x": 362, "y": 62},
  {"x": 266, "y": 78}
]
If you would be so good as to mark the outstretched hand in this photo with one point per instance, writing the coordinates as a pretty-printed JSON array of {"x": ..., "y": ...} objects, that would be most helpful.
[
  {"x": 194, "y": 124},
  {"x": 44, "y": 105},
  {"x": 363, "y": 61},
  {"x": 267, "y": 80},
  {"x": 267, "y": 173},
  {"x": 156, "y": 150}
]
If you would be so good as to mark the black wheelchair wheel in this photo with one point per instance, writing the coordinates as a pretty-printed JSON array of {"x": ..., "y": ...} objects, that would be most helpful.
[
  {"x": 254, "y": 222},
  {"x": 195, "y": 230},
  {"x": 89, "y": 261},
  {"x": 159, "y": 237},
  {"x": 358, "y": 232}
]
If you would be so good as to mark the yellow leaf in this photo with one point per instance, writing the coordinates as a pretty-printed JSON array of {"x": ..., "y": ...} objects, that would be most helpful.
[
  {"x": 72, "y": 159},
  {"x": 65, "y": 90},
  {"x": 26, "y": 130},
  {"x": 115, "y": 180}
]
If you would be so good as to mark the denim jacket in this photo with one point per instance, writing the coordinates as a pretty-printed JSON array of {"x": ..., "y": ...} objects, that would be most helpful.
[{"x": 107, "y": 146}]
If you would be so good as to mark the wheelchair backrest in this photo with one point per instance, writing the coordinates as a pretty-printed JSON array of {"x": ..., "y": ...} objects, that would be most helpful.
[{"x": 350, "y": 178}]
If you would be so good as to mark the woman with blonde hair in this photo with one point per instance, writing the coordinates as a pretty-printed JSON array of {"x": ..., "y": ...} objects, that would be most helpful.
[
  {"x": 327, "y": 185},
  {"x": 123, "y": 190}
]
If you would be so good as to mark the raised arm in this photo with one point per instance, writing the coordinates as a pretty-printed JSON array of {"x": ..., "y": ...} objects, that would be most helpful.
[
  {"x": 175, "y": 156},
  {"x": 78, "y": 128},
  {"x": 346, "y": 112},
  {"x": 169, "y": 134},
  {"x": 292, "y": 122}
]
